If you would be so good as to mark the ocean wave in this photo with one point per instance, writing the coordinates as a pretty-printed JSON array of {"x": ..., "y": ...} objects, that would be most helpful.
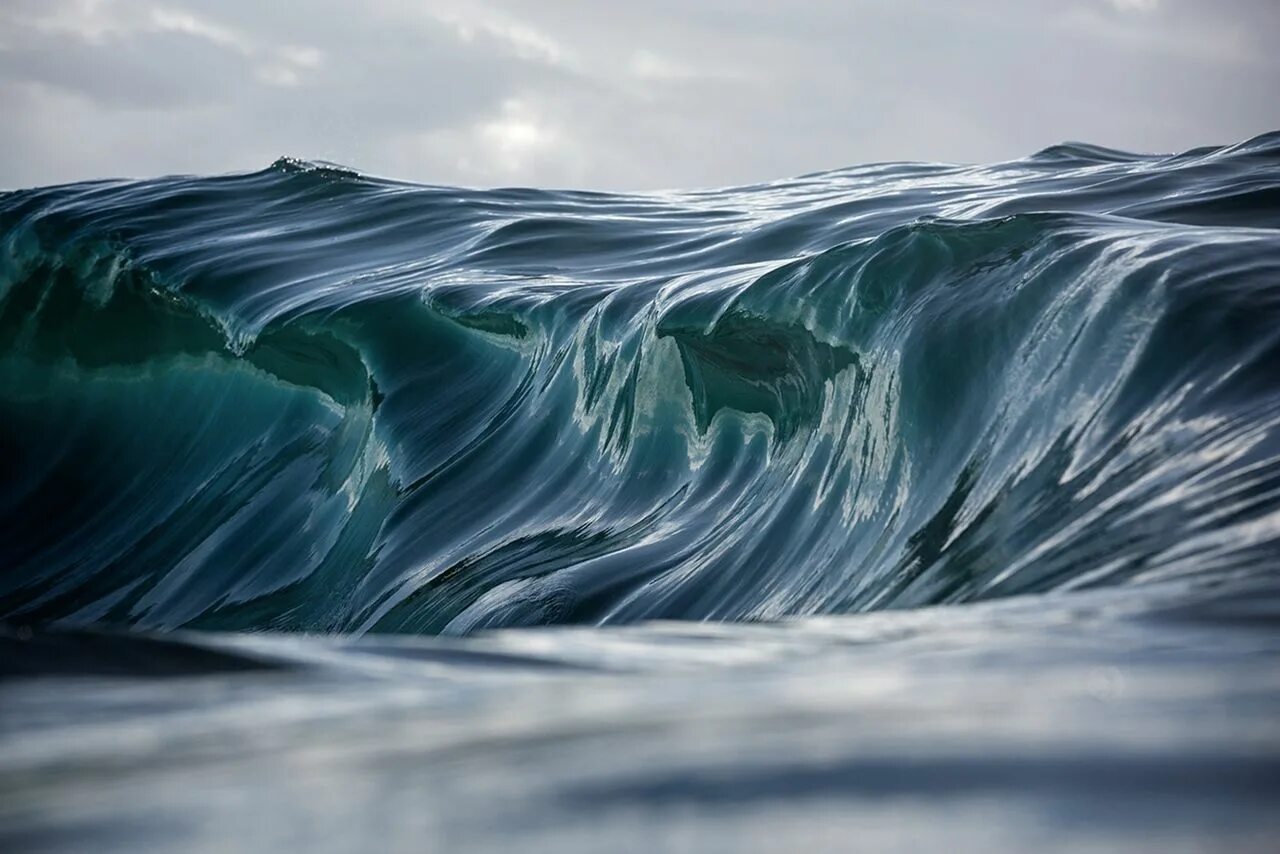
[{"x": 307, "y": 399}]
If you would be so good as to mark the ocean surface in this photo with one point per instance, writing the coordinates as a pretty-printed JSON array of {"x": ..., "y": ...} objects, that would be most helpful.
[{"x": 900, "y": 507}]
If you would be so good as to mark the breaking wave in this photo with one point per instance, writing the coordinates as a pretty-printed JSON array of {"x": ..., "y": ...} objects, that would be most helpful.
[{"x": 306, "y": 399}]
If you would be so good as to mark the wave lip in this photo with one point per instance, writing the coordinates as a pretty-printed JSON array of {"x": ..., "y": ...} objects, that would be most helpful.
[{"x": 305, "y": 399}]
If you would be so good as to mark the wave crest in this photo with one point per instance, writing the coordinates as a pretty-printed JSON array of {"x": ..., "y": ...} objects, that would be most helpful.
[{"x": 249, "y": 402}]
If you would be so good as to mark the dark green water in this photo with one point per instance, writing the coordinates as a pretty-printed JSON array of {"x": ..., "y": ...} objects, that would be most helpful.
[{"x": 328, "y": 408}]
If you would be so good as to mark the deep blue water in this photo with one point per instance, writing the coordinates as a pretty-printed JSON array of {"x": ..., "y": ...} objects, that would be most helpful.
[{"x": 255, "y": 423}]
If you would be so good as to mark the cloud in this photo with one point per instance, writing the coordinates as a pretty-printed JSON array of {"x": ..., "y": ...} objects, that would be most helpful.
[
  {"x": 576, "y": 92},
  {"x": 287, "y": 65},
  {"x": 164, "y": 20},
  {"x": 472, "y": 22},
  {"x": 499, "y": 147},
  {"x": 113, "y": 50},
  {"x": 98, "y": 22},
  {"x": 1135, "y": 5}
]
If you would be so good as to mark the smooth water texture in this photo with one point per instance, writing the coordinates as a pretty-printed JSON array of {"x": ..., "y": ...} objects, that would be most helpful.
[
  {"x": 303, "y": 399},
  {"x": 312, "y": 403}
]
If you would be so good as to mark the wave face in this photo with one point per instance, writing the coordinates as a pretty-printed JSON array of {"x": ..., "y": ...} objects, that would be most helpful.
[{"x": 306, "y": 399}]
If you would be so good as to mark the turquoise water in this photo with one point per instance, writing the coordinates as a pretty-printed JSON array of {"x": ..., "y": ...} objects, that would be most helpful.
[{"x": 955, "y": 490}]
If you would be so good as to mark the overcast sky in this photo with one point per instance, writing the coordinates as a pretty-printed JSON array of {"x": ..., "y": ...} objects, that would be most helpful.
[{"x": 635, "y": 94}]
